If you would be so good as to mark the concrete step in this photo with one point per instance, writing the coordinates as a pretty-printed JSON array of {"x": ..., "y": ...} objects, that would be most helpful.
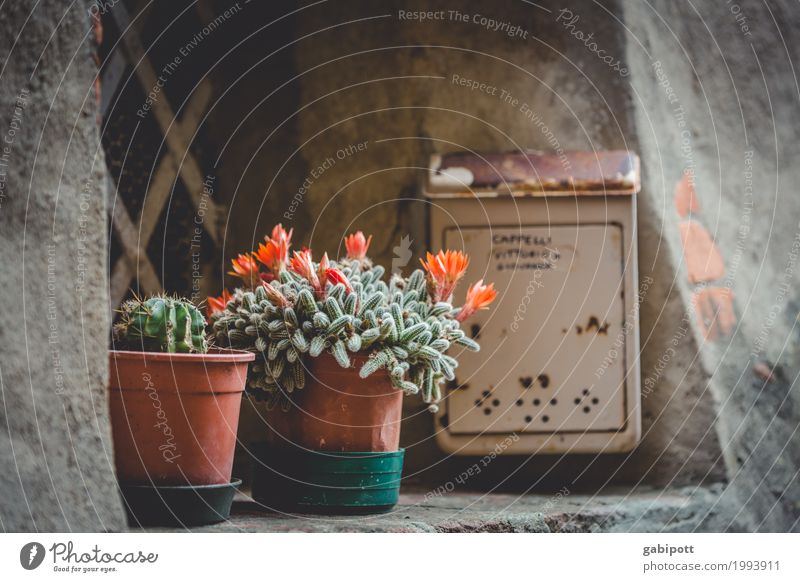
[{"x": 641, "y": 510}]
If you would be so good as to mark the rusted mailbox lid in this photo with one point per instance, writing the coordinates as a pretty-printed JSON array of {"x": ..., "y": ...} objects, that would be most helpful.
[{"x": 533, "y": 173}]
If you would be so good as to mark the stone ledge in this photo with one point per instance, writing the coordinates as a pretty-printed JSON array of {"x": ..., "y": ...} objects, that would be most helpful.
[{"x": 643, "y": 510}]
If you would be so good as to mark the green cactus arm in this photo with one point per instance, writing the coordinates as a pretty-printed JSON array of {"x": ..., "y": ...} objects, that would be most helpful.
[
  {"x": 440, "y": 344},
  {"x": 281, "y": 334},
  {"x": 306, "y": 303},
  {"x": 371, "y": 302},
  {"x": 161, "y": 324},
  {"x": 299, "y": 341},
  {"x": 373, "y": 364},
  {"x": 276, "y": 367},
  {"x": 412, "y": 332},
  {"x": 388, "y": 329},
  {"x": 439, "y": 309},
  {"x": 397, "y": 315},
  {"x": 416, "y": 281},
  {"x": 427, "y": 386},
  {"x": 468, "y": 343},
  {"x": 354, "y": 343},
  {"x": 436, "y": 393},
  {"x": 260, "y": 344},
  {"x": 350, "y": 304},
  {"x": 339, "y": 352},
  {"x": 321, "y": 321},
  {"x": 369, "y": 336},
  {"x": 290, "y": 318},
  {"x": 371, "y": 319},
  {"x": 317, "y": 346},
  {"x": 333, "y": 308},
  {"x": 447, "y": 369},
  {"x": 151, "y": 316},
  {"x": 338, "y": 324},
  {"x": 273, "y": 350},
  {"x": 400, "y": 352},
  {"x": 299, "y": 376}
]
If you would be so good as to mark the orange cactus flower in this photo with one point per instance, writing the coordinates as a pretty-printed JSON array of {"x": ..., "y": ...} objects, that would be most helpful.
[
  {"x": 479, "y": 296},
  {"x": 444, "y": 270},
  {"x": 246, "y": 268},
  {"x": 272, "y": 255},
  {"x": 280, "y": 236},
  {"x": 356, "y": 245},
  {"x": 322, "y": 268},
  {"x": 275, "y": 253},
  {"x": 275, "y": 297},
  {"x": 332, "y": 275},
  {"x": 218, "y": 304},
  {"x": 335, "y": 276},
  {"x": 302, "y": 264}
]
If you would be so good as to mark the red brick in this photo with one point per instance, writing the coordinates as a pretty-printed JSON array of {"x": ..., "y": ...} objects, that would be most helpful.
[
  {"x": 714, "y": 311},
  {"x": 685, "y": 197},
  {"x": 703, "y": 259}
]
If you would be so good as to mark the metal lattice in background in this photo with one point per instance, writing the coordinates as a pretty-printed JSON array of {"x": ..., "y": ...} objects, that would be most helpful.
[{"x": 154, "y": 197}]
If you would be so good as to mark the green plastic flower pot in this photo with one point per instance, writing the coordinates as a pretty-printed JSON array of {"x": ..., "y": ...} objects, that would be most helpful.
[{"x": 295, "y": 479}]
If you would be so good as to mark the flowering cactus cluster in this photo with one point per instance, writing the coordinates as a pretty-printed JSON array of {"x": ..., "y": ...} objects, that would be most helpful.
[
  {"x": 298, "y": 308},
  {"x": 161, "y": 324}
]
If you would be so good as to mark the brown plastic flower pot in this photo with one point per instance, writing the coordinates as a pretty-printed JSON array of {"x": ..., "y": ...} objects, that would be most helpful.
[
  {"x": 174, "y": 416},
  {"x": 337, "y": 410}
]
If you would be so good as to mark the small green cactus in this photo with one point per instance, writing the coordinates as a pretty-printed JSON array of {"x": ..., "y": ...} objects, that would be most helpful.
[{"x": 161, "y": 324}]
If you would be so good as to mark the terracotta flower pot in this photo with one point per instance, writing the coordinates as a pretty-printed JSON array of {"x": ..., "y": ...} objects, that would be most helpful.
[
  {"x": 174, "y": 416},
  {"x": 337, "y": 449},
  {"x": 337, "y": 410}
]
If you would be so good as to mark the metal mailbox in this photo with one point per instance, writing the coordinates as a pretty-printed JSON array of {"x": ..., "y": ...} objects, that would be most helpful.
[{"x": 559, "y": 365}]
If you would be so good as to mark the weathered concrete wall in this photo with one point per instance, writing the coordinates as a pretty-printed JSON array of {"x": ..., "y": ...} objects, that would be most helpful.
[
  {"x": 364, "y": 74},
  {"x": 717, "y": 96},
  {"x": 56, "y": 468}
]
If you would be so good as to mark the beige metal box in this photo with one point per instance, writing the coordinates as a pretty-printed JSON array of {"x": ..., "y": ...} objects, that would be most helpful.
[{"x": 559, "y": 364}]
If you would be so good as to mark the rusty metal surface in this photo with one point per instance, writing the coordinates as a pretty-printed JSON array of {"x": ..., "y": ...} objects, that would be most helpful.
[{"x": 533, "y": 173}]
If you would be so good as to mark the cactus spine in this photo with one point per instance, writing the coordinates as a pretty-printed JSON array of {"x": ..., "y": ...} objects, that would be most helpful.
[{"x": 161, "y": 324}]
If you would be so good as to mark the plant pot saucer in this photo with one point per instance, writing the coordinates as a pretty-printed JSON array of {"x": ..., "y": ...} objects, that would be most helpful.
[{"x": 178, "y": 505}]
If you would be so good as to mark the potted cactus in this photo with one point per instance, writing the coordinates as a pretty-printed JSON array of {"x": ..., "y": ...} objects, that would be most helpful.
[
  {"x": 336, "y": 347},
  {"x": 174, "y": 413}
]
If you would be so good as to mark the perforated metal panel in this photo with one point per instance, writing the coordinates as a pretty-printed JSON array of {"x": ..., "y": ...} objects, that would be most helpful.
[{"x": 558, "y": 366}]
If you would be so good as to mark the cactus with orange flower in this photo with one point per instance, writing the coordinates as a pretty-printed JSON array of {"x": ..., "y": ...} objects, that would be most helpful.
[
  {"x": 407, "y": 325},
  {"x": 217, "y": 304}
]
